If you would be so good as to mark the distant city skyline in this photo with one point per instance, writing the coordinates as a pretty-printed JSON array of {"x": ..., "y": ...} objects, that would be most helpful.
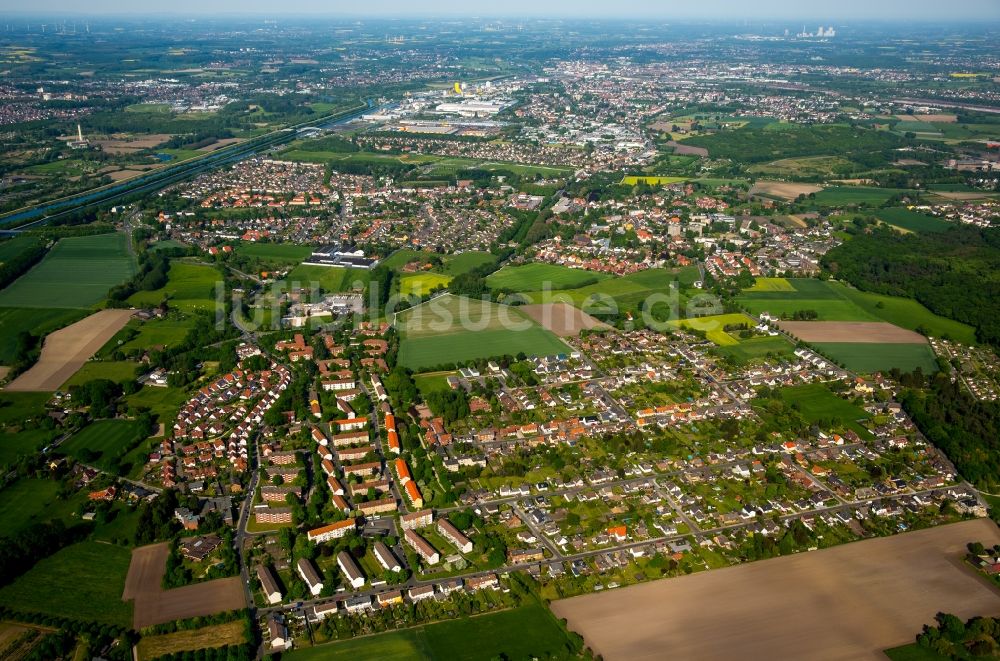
[{"x": 735, "y": 10}]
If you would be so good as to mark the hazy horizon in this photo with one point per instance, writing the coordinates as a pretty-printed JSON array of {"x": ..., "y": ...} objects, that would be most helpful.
[{"x": 717, "y": 10}]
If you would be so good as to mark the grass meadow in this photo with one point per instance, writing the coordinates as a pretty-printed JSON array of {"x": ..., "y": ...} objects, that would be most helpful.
[{"x": 190, "y": 287}]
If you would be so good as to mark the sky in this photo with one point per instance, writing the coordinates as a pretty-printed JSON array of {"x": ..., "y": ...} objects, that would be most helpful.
[{"x": 828, "y": 10}]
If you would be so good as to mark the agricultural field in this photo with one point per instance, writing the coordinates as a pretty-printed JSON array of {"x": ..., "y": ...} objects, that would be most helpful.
[
  {"x": 912, "y": 221},
  {"x": 713, "y": 326},
  {"x": 21, "y": 406},
  {"x": 105, "y": 438},
  {"x": 32, "y": 500},
  {"x": 452, "y": 329},
  {"x": 652, "y": 180},
  {"x": 37, "y": 321},
  {"x": 190, "y": 287},
  {"x": 23, "y": 443},
  {"x": 783, "y": 190},
  {"x": 329, "y": 279},
  {"x": 520, "y": 633},
  {"x": 862, "y": 332},
  {"x": 834, "y": 301},
  {"x": 277, "y": 254},
  {"x": 155, "y": 333},
  {"x": 466, "y": 261},
  {"x": 756, "y": 348},
  {"x": 422, "y": 284},
  {"x": 404, "y": 256},
  {"x": 771, "y": 284},
  {"x": 80, "y": 582},
  {"x": 837, "y": 196},
  {"x": 11, "y": 248},
  {"x": 66, "y": 350},
  {"x": 873, "y": 357},
  {"x": 815, "y": 402},
  {"x": 116, "y": 371},
  {"x": 809, "y": 166},
  {"x": 217, "y": 635},
  {"x": 538, "y": 275},
  {"x": 878, "y": 592},
  {"x": 76, "y": 273},
  {"x": 626, "y": 293},
  {"x": 562, "y": 319}
]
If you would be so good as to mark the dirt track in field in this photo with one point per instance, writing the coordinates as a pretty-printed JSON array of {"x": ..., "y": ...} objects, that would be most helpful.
[
  {"x": 848, "y": 602},
  {"x": 859, "y": 332},
  {"x": 154, "y": 605},
  {"x": 66, "y": 350},
  {"x": 562, "y": 318}
]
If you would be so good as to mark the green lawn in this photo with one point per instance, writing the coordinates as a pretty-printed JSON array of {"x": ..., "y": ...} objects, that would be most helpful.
[
  {"x": 522, "y": 633},
  {"x": 913, "y": 221},
  {"x": 19, "y": 406},
  {"x": 159, "y": 332},
  {"x": 432, "y": 382},
  {"x": 76, "y": 273},
  {"x": 80, "y": 582},
  {"x": 103, "y": 369},
  {"x": 189, "y": 287},
  {"x": 815, "y": 402},
  {"x": 537, "y": 276},
  {"x": 163, "y": 402},
  {"x": 37, "y": 321},
  {"x": 867, "y": 358},
  {"x": 108, "y": 437}
]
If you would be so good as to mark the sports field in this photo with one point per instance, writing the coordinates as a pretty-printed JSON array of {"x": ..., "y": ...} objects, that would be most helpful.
[
  {"x": 422, "y": 284},
  {"x": 106, "y": 438},
  {"x": 189, "y": 287},
  {"x": 80, "y": 582},
  {"x": 525, "y": 632},
  {"x": 538, "y": 276},
  {"x": 846, "y": 602},
  {"x": 76, "y": 273},
  {"x": 867, "y": 358},
  {"x": 66, "y": 350},
  {"x": 713, "y": 326},
  {"x": 452, "y": 329}
]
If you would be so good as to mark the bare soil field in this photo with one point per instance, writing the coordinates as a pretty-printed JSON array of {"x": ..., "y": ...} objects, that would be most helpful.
[
  {"x": 962, "y": 197},
  {"x": 848, "y": 602},
  {"x": 219, "y": 144},
  {"x": 562, "y": 318},
  {"x": 121, "y": 175},
  {"x": 66, "y": 350},
  {"x": 154, "y": 605},
  {"x": 784, "y": 189},
  {"x": 865, "y": 332},
  {"x": 687, "y": 150},
  {"x": 943, "y": 118},
  {"x": 127, "y": 146}
]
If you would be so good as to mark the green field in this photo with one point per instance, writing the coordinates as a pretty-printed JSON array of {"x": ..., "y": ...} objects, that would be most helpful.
[
  {"x": 652, "y": 180},
  {"x": 421, "y": 284},
  {"x": 836, "y": 196},
  {"x": 155, "y": 333},
  {"x": 771, "y": 284},
  {"x": 189, "y": 287},
  {"x": 37, "y": 321},
  {"x": 278, "y": 254},
  {"x": 756, "y": 348},
  {"x": 76, "y": 273},
  {"x": 912, "y": 221},
  {"x": 14, "y": 446},
  {"x": 535, "y": 276},
  {"x": 404, "y": 256},
  {"x": 525, "y": 632},
  {"x": 328, "y": 278},
  {"x": 713, "y": 326},
  {"x": 466, "y": 261},
  {"x": 116, "y": 371},
  {"x": 107, "y": 437},
  {"x": 163, "y": 402},
  {"x": 32, "y": 500},
  {"x": 452, "y": 329},
  {"x": 84, "y": 581},
  {"x": 834, "y": 301},
  {"x": 869, "y": 357},
  {"x": 432, "y": 382},
  {"x": 815, "y": 402},
  {"x": 21, "y": 406},
  {"x": 627, "y": 293},
  {"x": 11, "y": 248}
]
